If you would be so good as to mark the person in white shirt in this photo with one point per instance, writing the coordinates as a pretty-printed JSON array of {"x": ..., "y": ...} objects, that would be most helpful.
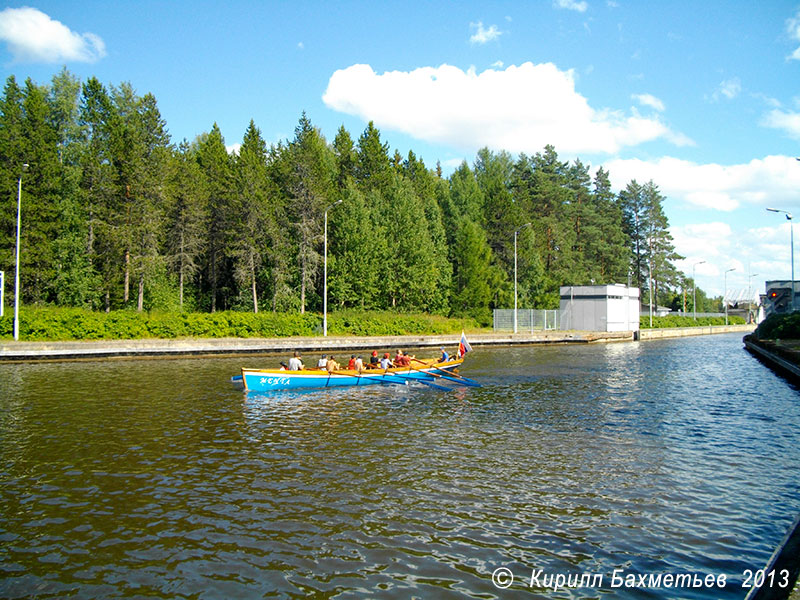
[
  {"x": 295, "y": 364},
  {"x": 323, "y": 362}
]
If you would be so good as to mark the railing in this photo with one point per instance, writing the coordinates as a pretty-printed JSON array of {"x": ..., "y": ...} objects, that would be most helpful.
[
  {"x": 528, "y": 319},
  {"x": 679, "y": 313}
]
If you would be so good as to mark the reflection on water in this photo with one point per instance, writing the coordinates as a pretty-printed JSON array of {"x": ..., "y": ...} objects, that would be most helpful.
[{"x": 160, "y": 479}]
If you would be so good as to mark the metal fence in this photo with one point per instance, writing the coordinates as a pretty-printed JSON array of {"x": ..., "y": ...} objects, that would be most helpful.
[
  {"x": 678, "y": 313},
  {"x": 527, "y": 319}
]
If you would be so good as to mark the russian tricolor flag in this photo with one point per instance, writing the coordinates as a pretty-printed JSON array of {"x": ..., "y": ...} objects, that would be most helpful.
[{"x": 463, "y": 346}]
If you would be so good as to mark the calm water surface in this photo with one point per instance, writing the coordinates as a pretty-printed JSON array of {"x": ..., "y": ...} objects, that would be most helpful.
[{"x": 131, "y": 479}]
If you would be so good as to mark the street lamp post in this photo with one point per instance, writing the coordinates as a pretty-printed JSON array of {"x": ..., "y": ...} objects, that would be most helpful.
[
  {"x": 16, "y": 264},
  {"x": 325, "y": 275},
  {"x": 694, "y": 289},
  {"x": 791, "y": 243},
  {"x": 725, "y": 293},
  {"x": 515, "y": 273}
]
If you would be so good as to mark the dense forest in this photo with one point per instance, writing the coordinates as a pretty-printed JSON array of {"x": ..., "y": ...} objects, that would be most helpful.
[{"x": 115, "y": 215}]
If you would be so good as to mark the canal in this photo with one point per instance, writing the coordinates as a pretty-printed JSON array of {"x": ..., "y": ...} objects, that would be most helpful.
[{"x": 631, "y": 462}]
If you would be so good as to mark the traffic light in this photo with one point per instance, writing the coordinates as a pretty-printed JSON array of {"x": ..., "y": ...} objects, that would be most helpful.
[{"x": 780, "y": 299}]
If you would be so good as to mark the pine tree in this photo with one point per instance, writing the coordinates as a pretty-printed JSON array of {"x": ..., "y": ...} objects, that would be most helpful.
[
  {"x": 97, "y": 187},
  {"x": 661, "y": 250},
  {"x": 310, "y": 189},
  {"x": 186, "y": 218},
  {"x": 249, "y": 243},
  {"x": 410, "y": 269},
  {"x": 607, "y": 246},
  {"x": 476, "y": 280},
  {"x": 346, "y": 157},
  {"x": 149, "y": 214},
  {"x": 74, "y": 281},
  {"x": 634, "y": 224},
  {"x": 41, "y": 197},
  {"x": 430, "y": 190},
  {"x": 12, "y": 157},
  {"x": 373, "y": 166},
  {"x": 356, "y": 250},
  {"x": 216, "y": 166}
]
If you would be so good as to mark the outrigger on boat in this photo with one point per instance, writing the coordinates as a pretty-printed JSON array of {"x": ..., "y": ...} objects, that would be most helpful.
[{"x": 427, "y": 372}]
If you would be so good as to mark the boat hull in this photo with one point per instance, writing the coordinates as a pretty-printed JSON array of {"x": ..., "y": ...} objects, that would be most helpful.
[{"x": 263, "y": 380}]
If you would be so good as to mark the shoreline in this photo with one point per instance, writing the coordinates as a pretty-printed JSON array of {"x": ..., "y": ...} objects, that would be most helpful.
[
  {"x": 232, "y": 347},
  {"x": 779, "y": 355}
]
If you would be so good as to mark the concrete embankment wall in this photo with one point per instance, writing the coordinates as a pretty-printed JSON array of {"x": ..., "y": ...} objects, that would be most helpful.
[
  {"x": 92, "y": 350},
  {"x": 671, "y": 332},
  {"x": 776, "y": 355}
]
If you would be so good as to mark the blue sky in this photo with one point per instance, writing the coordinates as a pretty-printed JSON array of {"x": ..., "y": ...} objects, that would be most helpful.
[{"x": 701, "y": 97}]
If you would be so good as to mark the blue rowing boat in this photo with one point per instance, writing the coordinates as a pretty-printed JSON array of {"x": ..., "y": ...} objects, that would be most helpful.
[{"x": 427, "y": 372}]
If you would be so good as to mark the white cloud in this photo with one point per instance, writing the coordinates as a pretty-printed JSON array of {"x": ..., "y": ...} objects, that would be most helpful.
[
  {"x": 497, "y": 64},
  {"x": 453, "y": 163},
  {"x": 32, "y": 36},
  {"x": 768, "y": 100},
  {"x": 757, "y": 254},
  {"x": 483, "y": 36},
  {"x": 730, "y": 88},
  {"x": 742, "y": 192},
  {"x": 701, "y": 241},
  {"x": 519, "y": 109},
  {"x": 713, "y": 186},
  {"x": 789, "y": 122},
  {"x": 576, "y": 5},
  {"x": 233, "y": 149},
  {"x": 793, "y": 29},
  {"x": 649, "y": 100}
]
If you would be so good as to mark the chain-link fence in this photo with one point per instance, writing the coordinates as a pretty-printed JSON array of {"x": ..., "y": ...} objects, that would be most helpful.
[{"x": 527, "y": 320}]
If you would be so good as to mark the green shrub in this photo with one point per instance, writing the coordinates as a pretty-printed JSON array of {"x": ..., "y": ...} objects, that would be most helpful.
[
  {"x": 52, "y": 324},
  {"x": 780, "y": 327},
  {"x": 686, "y": 321}
]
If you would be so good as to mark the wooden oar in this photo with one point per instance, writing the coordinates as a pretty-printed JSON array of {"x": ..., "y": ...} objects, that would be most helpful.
[
  {"x": 383, "y": 377},
  {"x": 387, "y": 377},
  {"x": 422, "y": 381},
  {"x": 450, "y": 376}
]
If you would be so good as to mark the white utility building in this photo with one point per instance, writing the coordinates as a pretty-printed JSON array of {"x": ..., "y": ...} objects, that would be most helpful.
[{"x": 599, "y": 307}]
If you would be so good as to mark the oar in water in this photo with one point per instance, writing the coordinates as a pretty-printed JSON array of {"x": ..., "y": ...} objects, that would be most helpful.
[
  {"x": 396, "y": 378},
  {"x": 422, "y": 381},
  {"x": 383, "y": 377},
  {"x": 450, "y": 376}
]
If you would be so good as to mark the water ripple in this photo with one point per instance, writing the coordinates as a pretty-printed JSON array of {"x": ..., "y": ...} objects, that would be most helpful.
[{"x": 666, "y": 457}]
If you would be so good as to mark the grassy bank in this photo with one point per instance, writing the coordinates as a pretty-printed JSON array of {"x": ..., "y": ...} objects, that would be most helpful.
[{"x": 62, "y": 324}]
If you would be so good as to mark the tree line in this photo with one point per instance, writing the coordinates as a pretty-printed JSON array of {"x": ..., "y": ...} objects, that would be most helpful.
[{"x": 115, "y": 215}]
